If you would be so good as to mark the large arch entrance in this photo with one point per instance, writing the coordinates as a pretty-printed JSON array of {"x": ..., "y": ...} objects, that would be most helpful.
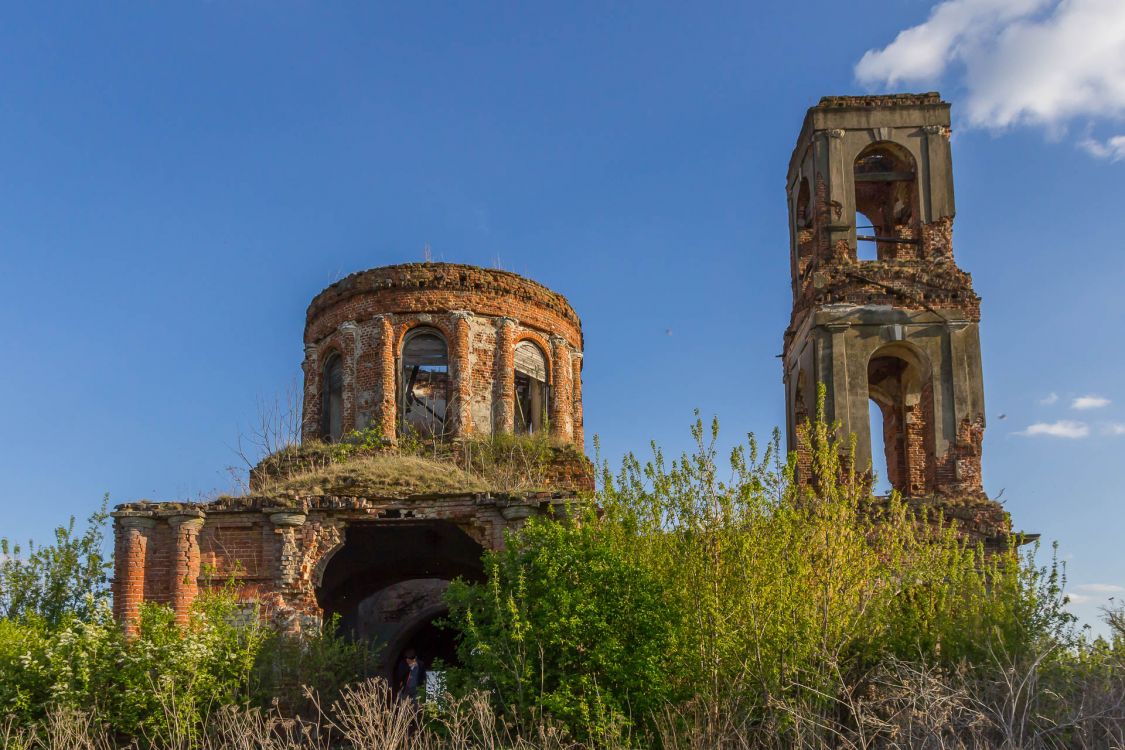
[{"x": 386, "y": 585}]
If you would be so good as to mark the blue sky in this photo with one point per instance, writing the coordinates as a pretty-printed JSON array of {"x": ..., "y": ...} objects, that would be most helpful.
[{"x": 177, "y": 180}]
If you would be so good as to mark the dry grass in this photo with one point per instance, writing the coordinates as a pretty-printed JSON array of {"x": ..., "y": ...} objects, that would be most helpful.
[
  {"x": 899, "y": 706},
  {"x": 386, "y": 475},
  {"x": 502, "y": 464}
]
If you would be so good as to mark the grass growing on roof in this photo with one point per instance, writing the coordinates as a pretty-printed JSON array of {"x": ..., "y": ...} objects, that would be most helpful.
[{"x": 387, "y": 475}]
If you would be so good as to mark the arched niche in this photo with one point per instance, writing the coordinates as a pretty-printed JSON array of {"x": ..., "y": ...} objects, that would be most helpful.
[{"x": 332, "y": 398}]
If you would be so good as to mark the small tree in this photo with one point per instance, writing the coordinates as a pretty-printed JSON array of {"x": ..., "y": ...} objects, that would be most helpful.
[{"x": 56, "y": 581}]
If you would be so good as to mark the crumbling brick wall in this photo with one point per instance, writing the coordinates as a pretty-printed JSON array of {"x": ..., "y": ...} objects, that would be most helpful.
[{"x": 481, "y": 313}]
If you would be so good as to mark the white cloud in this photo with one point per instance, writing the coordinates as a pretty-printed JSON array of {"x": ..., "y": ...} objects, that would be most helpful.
[
  {"x": 1100, "y": 588},
  {"x": 1112, "y": 148},
  {"x": 1049, "y": 399},
  {"x": 1089, "y": 402},
  {"x": 1114, "y": 429},
  {"x": 1040, "y": 62},
  {"x": 1094, "y": 593},
  {"x": 1064, "y": 428}
]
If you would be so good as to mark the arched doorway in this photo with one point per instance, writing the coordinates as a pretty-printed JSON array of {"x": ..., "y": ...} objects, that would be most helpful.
[{"x": 386, "y": 585}]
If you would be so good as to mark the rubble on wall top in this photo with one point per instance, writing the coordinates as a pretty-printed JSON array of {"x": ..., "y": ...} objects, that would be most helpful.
[{"x": 880, "y": 100}]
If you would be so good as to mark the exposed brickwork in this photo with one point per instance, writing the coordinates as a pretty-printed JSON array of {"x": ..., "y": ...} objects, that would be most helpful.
[
  {"x": 481, "y": 314},
  {"x": 276, "y": 555},
  {"x": 130, "y": 557},
  {"x": 185, "y": 563}
]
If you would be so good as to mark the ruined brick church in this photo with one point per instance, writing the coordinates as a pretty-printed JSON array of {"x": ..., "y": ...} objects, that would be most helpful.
[{"x": 881, "y": 313}]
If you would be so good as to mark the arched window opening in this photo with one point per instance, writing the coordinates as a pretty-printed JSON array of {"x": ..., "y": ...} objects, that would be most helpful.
[
  {"x": 876, "y": 418},
  {"x": 424, "y": 384},
  {"x": 332, "y": 399},
  {"x": 886, "y": 196},
  {"x": 531, "y": 388},
  {"x": 897, "y": 379}
]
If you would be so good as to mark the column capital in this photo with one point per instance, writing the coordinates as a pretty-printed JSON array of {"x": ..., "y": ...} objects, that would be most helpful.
[
  {"x": 190, "y": 520},
  {"x": 505, "y": 321},
  {"x": 284, "y": 517},
  {"x": 134, "y": 519},
  {"x": 459, "y": 315},
  {"x": 558, "y": 341},
  {"x": 348, "y": 325},
  {"x": 311, "y": 351}
]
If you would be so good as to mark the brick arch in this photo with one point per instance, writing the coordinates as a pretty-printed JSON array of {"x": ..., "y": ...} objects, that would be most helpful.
[
  {"x": 540, "y": 341},
  {"x": 406, "y": 326}
]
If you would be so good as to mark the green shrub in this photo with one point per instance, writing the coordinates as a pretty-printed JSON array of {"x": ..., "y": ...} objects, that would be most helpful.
[
  {"x": 738, "y": 587},
  {"x": 56, "y": 581},
  {"x": 569, "y": 627}
]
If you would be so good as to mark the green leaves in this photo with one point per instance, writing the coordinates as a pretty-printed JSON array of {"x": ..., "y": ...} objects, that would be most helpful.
[
  {"x": 735, "y": 585},
  {"x": 568, "y": 627},
  {"x": 57, "y": 581}
]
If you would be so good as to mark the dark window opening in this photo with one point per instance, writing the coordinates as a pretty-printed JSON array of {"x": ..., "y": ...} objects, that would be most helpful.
[
  {"x": 332, "y": 399},
  {"x": 424, "y": 384},
  {"x": 532, "y": 388},
  {"x": 886, "y": 200}
]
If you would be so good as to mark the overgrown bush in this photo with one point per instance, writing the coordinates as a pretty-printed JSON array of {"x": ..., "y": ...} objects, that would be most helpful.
[
  {"x": 741, "y": 591},
  {"x": 568, "y": 627},
  {"x": 703, "y": 604}
]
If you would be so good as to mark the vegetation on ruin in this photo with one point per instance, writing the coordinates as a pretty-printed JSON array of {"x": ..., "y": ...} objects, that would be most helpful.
[
  {"x": 713, "y": 602},
  {"x": 716, "y": 600},
  {"x": 364, "y": 464}
]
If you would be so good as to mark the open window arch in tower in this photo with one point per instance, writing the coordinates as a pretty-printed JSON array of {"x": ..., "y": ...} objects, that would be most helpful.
[
  {"x": 885, "y": 177},
  {"x": 424, "y": 383},
  {"x": 332, "y": 398},
  {"x": 900, "y": 383},
  {"x": 532, "y": 385},
  {"x": 802, "y": 227}
]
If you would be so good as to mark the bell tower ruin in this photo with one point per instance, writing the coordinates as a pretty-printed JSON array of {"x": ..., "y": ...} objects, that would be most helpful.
[{"x": 881, "y": 311}]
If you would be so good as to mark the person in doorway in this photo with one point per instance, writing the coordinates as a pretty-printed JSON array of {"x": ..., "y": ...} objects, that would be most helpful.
[{"x": 412, "y": 676}]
